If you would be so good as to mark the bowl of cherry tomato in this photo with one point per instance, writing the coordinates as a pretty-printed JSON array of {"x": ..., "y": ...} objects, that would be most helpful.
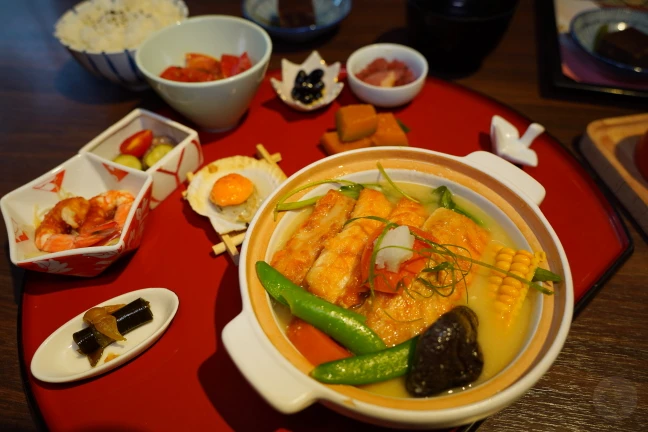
[
  {"x": 149, "y": 142},
  {"x": 207, "y": 68}
]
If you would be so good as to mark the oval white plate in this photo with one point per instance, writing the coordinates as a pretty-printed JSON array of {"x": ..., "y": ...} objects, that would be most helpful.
[{"x": 57, "y": 359}]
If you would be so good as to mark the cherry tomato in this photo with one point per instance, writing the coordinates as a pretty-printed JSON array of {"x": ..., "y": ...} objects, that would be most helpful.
[
  {"x": 197, "y": 75},
  {"x": 173, "y": 73},
  {"x": 137, "y": 144},
  {"x": 229, "y": 65},
  {"x": 387, "y": 281},
  {"x": 641, "y": 155},
  {"x": 203, "y": 62},
  {"x": 244, "y": 62}
]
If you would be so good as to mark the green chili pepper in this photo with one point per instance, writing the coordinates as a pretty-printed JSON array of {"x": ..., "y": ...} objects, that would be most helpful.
[
  {"x": 542, "y": 275},
  {"x": 345, "y": 326},
  {"x": 368, "y": 368}
]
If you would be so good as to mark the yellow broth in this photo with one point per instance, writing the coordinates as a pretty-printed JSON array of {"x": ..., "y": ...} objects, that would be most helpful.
[{"x": 500, "y": 344}]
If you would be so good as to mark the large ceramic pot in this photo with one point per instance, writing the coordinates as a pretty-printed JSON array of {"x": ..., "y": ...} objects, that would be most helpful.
[{"x": 257, "y": 342}]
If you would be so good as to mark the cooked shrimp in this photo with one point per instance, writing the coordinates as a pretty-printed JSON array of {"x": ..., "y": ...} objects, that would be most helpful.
[
  {"x": 108, "y": 210},
  {"x": 53, "y": 233}
]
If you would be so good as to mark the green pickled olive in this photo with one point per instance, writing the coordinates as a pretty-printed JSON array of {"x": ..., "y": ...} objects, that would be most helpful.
[
  {"x": 343, "y": 325},
  {"x": 368, "y": 368}
]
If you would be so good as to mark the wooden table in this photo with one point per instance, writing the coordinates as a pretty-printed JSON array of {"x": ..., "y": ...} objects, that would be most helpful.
[{"x": 50, "y": 107}]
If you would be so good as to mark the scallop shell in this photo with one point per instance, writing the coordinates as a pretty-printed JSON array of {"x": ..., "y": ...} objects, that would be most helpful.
[{"x": 265, "y": 176}]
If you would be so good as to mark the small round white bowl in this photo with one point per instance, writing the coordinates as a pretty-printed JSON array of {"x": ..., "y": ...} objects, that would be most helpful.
[
  {"x": 213, "y": 105},
  {"x": 116, "y": 66},
  {"x": 386, "y": 97}
]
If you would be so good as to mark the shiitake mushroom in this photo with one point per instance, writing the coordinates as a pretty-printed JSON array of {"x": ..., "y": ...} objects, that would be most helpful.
[{"x": 447, "y": 354}]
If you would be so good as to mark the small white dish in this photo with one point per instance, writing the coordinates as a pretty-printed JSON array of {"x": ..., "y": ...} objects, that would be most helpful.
[
  {"x": 508, "y": 144},
  {"x": 332, "y": 87},
  {"x": 170, "y": 171},
  {"x": 386, "y": 97},
  {"x": 85, "y": 175},
  {"x": 57, "y": 359}
]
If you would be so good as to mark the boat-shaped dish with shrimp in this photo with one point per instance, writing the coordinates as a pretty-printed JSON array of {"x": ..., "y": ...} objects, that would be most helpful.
[
  {"x": 78, "y": 218},
  {"x": 416, "y": 289}
]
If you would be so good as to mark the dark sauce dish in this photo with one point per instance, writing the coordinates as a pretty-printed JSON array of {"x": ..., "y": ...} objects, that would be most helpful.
[
  {"x": 456, "y": 35},
  {"x": 302, "y": 24},
  {"x": 585, "y": 30}
]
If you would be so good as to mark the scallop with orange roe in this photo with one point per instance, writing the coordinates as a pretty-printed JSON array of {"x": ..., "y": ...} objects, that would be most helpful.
[
  {"x": 229, "y": 191},
  {"x": 232, "y": 189}
]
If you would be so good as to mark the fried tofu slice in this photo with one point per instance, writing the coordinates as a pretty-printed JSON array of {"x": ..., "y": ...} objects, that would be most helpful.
[
  {"x": 302, "y": 249},
  {"x": 408, "y": 212},
  {"x": 338, "y": 267},
  {"x": 399, "y": 317}
]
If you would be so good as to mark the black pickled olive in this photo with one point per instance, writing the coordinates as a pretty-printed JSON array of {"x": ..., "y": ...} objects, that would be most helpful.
[
  {"x": 308, "y": 88},
  {"x": 131, "y": 316},
  {"x": 447, "y": 354}
]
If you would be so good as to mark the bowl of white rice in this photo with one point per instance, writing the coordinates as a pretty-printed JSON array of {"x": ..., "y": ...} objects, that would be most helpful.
[{"x": 103, "y": 35}]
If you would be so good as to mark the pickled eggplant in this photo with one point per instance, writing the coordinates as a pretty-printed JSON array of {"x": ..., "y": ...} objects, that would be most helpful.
[
  {"x": 91, "y": 342},
  {"x": 447, "y": 354}
]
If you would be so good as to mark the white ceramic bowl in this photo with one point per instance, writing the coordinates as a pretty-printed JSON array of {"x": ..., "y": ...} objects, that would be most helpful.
[
  {"x": 170, "y": 171},
  {"x": 213, "y": 105},
  {"x": 83, "y": 175},
  {"x": 117, "y": 66},
  {"x": 386, "y": 97},
  {"x": 257, "y": 342}
]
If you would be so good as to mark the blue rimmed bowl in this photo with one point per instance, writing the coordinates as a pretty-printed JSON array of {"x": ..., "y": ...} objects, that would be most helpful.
[
  {"x": 112, "y": 56},
  {"x": 585, "y": 26},
  {"x": 327, "y": 14}
]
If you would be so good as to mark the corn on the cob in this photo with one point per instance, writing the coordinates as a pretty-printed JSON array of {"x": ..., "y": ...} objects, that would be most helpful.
[{"x": 508, "y": 292}]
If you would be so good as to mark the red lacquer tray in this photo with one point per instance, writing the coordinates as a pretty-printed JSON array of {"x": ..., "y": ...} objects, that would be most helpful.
[{"x": 186, "y": 381}]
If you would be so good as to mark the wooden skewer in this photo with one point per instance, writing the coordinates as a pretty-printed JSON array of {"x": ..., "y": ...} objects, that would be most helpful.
[{"x": 229, "y": 244}]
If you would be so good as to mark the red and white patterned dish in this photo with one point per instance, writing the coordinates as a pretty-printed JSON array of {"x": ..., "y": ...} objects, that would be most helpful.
[
  {"x": 170, "y": 171},
  {"x": 83, "y": 175}
]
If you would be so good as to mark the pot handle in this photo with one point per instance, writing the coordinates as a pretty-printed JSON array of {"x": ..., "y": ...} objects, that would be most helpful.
[
  {"x": 271, "y": 379},
  {"x": 503, "y": 170}
]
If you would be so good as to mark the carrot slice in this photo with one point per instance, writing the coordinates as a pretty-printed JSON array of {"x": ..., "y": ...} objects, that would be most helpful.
[
  {"x": 392, "y": 282},
  {"x": 314, "y": 344}
]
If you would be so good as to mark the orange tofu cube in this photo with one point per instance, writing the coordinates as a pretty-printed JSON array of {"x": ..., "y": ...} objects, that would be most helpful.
[
  {"x": 332, "y": 144},
  {"x": 354, "y": 122},
  {"x": 389, "y": 132}
]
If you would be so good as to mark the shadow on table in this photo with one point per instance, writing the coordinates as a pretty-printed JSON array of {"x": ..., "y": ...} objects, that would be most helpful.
[
  {"x": 435, "y": 69},
  {"x": 17, "y": 277},
  {"x": 76, "y": 83},
  {"x": 46, "y": 283},
  {"x": 285, "y": 46}
]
